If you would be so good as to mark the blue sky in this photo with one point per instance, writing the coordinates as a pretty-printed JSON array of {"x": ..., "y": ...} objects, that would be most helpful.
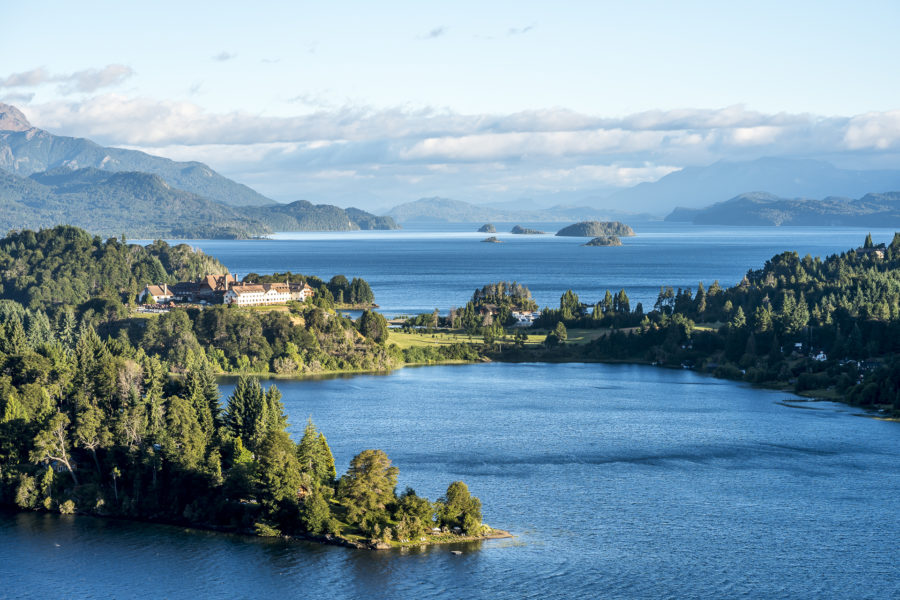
[{"x": 379, "y": 103}]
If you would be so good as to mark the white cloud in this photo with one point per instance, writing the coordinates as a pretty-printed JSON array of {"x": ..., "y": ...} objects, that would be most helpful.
[
  {"x": 878, "y": 131},
  {"x": 17, "y": 97},
  {"x": 224, "y": 56},
  {"x": 327, "y": 151},
  {"x": 86, "y": 81},
  {"x": 91, "y": 80},
  {"x": 32, "y": 78}
]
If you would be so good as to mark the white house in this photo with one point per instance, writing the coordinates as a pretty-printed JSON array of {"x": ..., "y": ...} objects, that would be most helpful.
[{"x": 156, "y": 294}]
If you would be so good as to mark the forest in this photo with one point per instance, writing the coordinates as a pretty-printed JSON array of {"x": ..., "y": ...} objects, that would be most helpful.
[
  {"x": 57, "y": 280},
  {"x": 108, "y": 414},
  {"x": 823, "y": 328},
  {"x": 828, "y": 328}
]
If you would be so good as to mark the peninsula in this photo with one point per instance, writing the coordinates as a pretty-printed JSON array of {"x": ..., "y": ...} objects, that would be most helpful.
[
  {"x": 114, "y": 409},
  {"x": 795, "y": 324}
]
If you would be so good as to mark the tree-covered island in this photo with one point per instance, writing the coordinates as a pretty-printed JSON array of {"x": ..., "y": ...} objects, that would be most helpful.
[{"x": 110, "y": 412}]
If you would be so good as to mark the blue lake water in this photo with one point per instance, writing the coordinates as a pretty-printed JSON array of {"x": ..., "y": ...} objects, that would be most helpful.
[
  {"x": 618, "y": 481},
  {"x": 421, "y": 267}
]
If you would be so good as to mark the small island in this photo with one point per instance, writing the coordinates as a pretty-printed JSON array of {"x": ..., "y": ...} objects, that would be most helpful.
[
  {"x": 492, "y": 240},
  {"x": 487, "y": 228},
  {"x": 605, "y": 240},
  {"x": 596, "y": 228},
  {"x": 519, "y": 230}
]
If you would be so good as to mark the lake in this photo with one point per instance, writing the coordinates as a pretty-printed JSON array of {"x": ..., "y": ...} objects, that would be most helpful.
[
  {"x": 618, "y": 481},
  {"x": 424, "y": 267}
]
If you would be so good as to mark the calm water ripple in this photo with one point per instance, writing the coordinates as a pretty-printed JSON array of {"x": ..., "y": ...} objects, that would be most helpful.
[{"x": 619, "y": 481}]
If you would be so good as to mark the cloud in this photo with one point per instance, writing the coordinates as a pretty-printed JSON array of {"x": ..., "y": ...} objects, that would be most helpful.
[
  {"x": 427, "y": 151},
  {"x": 874, "y": 130},
  {"x": 32, "y": 78},
  {"x": 223, "y": 56},
  {"x": 520, "y": 30},
  {"x": 91, "y": 80},
  {"x": 434, "y": 33},
  {"x": 17, "y": 98},
  {"x": 86, "y": 81}
]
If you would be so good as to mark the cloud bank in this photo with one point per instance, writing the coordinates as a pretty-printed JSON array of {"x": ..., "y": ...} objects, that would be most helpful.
[
  {"x": 86, "y": 81},
  {"x": 375, "y": 157}
]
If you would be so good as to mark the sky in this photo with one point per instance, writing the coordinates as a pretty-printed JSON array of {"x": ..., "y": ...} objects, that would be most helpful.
[{"x": 373, "y": 104}]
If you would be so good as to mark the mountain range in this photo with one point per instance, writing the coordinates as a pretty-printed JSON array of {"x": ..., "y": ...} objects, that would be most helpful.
[
  {"x": 697, "y": 187},
  {"x": 457, "y": 211},
  {"x": 46, "y": 180},
  {"x": 872, "y": 210}
]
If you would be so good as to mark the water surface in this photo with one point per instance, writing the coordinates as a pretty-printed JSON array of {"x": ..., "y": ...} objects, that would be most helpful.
[
  {"x": 421, "y": 268},
  {"x": 619, "y": 481}
]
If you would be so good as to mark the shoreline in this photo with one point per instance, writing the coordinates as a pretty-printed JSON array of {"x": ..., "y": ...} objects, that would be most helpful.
[
  {"x": 584, "y": 360},
  {"x": 431, "y": 539}
]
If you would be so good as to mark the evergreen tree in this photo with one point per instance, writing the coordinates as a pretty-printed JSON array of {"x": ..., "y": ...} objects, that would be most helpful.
[
  {"x": 368, "y": 486},
  {"x": 277, "y": 475},
  {"x": 458, "y": 508},
  {"x": 315, "y": 456},
  {"x": 739, "y": 320},
  {"x": 246, "y": 415}
]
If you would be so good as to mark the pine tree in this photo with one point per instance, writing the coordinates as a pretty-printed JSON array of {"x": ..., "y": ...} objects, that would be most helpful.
[
  {"x": 315, "y": 456},
  {"x": 246, "y": 414}
]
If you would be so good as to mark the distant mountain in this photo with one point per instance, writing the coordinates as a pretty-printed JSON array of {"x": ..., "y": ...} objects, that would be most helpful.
[
  {"x": 25, "y": 150},
  {"x": 305, "y": 216},
  {"x": 143, "y": 205},
  {"x": 456, "y": 211},
  {"x": 872, "y": 210},
  {"x": 696, "y": 187},
  {"x": 138, "y": 204}
]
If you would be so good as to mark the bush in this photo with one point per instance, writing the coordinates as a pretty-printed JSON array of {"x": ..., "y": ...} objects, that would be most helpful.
[{"x": 265, "y": 530}]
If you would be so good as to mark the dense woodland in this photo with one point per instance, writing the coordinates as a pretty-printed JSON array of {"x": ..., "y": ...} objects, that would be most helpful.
[
  {"x": 830, "y": 326},
  {"x": 106, "y": 413},
  {"x": 56, "y": 280}
]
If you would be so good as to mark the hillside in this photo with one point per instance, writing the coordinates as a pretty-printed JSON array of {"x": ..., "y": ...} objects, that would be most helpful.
[
  {"x": 872, "y": 210},
  {"x": 25, "y": 150},
  {"x": 305, "y": 216},
  {"x": 697, "y": 187},
  {"x": 67, "y": 265},
  {"x": 105, "y": 203},
  {"x": 143, "y": 205}
]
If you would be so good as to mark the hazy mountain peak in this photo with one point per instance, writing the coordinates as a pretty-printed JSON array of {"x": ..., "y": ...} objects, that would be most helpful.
[{"x": 12, "y": 119}]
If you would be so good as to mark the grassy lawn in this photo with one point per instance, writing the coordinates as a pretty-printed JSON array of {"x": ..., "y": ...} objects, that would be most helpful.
[{"x": 447, "y": 337}]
